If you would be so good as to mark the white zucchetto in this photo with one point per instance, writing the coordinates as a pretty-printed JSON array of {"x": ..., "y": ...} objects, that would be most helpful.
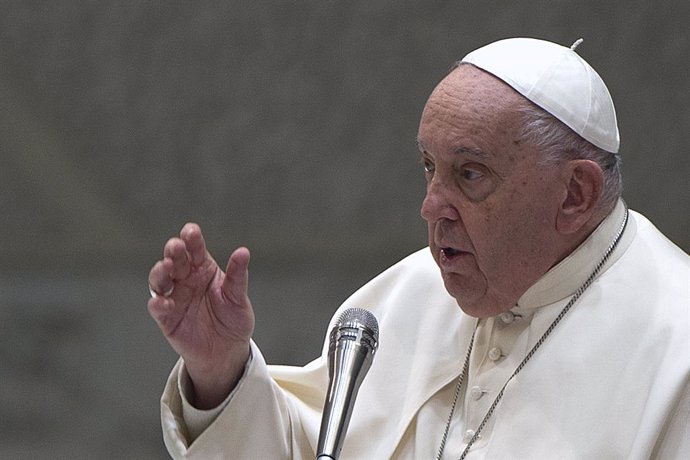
[{"x": 558, "y": 80}]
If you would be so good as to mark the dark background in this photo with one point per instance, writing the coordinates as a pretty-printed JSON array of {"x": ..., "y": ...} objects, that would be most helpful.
[{"x": 285, "y": 126}]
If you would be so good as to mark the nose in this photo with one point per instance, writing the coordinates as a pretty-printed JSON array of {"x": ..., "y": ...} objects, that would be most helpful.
[{"x": 437, "y": 204}]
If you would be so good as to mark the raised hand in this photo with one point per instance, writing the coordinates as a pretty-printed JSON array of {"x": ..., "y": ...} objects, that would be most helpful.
[{"x": 205, "y": 314}]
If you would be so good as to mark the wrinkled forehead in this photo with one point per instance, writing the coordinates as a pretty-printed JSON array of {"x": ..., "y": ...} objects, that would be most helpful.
[
  {"x": 469, "y": 88},
  {"x": 472, "y": 114},
  {"x": 470, "y": 96},
  {"x": 473, "y": 78}
]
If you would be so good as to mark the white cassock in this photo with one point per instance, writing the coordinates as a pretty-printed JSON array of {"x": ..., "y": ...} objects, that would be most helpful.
[{"x": 612, "y": 381}]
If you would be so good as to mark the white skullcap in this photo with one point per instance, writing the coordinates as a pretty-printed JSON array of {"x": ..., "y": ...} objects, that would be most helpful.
[{"x": 558, "y": 80}]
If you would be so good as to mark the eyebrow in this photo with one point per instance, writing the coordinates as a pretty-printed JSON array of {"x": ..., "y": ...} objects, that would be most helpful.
[{"x": 469, "y": 151}]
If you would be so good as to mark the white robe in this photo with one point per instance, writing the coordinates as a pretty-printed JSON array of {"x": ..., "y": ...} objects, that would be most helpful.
[{"x": 612, "y": 381}]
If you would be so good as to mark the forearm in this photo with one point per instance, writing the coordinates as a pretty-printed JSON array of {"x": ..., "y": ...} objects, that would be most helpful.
[
  {"x": 256, "y": 420},
  {"x": 211, "y": 386}
]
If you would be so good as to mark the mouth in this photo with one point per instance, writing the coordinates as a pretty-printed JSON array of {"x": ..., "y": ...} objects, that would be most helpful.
[
  {"x": 450, "y": 252},
  {"x": 454, "y": 260}
]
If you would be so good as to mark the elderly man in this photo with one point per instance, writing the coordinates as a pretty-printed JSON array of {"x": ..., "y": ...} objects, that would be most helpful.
[{"x": 572, "y": 336}]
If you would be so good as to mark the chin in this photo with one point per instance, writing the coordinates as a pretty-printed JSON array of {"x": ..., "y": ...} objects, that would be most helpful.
[
  {"x": 470, "y": 308},
  {"x": 475, "y": 311},
  {"x": 468, "y": 301},
  {"x": 476, "y": 304},
  {"x": 471, "y": 292}
]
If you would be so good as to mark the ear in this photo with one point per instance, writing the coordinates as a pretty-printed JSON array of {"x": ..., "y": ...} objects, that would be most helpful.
[{"x": 584, "y": 185}]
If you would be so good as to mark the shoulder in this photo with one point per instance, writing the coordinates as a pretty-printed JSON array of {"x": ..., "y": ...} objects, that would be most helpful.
[
  {"x": 408, "y": 289},
  {"x": 650, "y": 280},
  {"x": 416, "y": 274},
  {"x": 652, "y": 251}
]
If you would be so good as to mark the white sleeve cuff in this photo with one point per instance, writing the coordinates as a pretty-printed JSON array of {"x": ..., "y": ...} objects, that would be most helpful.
[{"x": 197, "y": 420}]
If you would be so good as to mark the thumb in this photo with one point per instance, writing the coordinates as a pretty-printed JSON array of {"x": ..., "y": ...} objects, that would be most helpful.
[{"x": 236, "y": 282}]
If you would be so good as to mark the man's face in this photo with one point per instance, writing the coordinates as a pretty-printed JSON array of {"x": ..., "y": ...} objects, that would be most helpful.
[{"x": 490, "y": 207}]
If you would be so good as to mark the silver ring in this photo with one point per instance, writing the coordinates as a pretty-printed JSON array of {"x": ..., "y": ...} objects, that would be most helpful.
[{"x": 167, "y": 293}]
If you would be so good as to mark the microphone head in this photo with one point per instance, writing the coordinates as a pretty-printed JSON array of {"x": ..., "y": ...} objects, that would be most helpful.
[
  {"x": 356, "y": 324},
  {"x": 359, "y": 316}
]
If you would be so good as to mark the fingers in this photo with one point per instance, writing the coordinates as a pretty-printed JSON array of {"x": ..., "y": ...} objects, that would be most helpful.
[
  {"x": 179, "y": 255},
  {"x": 236, "y": 280},
  {"x": 160, "y": 276},
  {"x": 176, "y": 251},
  {"x": 162, "y": 311},
  {"x": 195, "y": 244},
  {"x": 174, "y": 265},
  {"x": 186, "y": 251}
]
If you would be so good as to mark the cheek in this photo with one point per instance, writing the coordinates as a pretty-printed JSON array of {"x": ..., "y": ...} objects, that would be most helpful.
[
  {"x": 496, "y": 239},
  {"x": 431, "y": 228},
  {"x": 521, "y": 235},
  {"x": 504, "y": 237}
]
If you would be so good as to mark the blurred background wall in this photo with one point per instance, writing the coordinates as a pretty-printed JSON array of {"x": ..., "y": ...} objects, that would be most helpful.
[{"x": 285, "y": 126}]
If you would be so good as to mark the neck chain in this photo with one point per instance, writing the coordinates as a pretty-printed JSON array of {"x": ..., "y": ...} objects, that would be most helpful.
[{"x": 529, "y": 355}]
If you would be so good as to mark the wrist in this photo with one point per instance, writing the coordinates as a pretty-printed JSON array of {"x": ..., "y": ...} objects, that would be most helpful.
[{"x": 211, "y": 385}]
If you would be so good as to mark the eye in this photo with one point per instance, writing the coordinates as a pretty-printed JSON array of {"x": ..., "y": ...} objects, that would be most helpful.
[
  {"x": 476, "y": 181},
  {"x": 429, "y": 166},
  {"x": 471, "y": 174}
]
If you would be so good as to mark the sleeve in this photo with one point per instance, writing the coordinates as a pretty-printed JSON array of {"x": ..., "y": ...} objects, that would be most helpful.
[
  {"x": 674, "y": 441},
  {"x": 257, "y": 420},
  {"x": 197, "y": 420}
]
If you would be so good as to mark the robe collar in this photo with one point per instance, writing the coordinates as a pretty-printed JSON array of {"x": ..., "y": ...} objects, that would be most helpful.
[{"x": 564, "y": 278}]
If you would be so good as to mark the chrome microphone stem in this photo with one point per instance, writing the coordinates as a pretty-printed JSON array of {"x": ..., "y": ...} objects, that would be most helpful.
[
  {"x": 353, "y": 342},
  {"x": 351, "y": 361}
]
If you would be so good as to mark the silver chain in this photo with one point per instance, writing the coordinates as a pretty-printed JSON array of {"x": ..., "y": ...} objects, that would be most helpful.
[
  {"x": 457, "y": 393},
  {"x": 529, "y": 355}
]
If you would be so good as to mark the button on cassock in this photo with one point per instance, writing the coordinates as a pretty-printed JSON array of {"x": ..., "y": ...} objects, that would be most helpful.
[
  {"x": 506, "y": 317},
  {"x": 476, "y": 393},
  {"x": 495, "y": 354}
]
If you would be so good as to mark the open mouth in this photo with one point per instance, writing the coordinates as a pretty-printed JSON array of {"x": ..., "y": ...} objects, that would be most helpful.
[{"x": 450, "y": 252}]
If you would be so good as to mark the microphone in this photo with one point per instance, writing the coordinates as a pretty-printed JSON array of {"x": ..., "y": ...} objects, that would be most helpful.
[{"x": 353, "y": 342}]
